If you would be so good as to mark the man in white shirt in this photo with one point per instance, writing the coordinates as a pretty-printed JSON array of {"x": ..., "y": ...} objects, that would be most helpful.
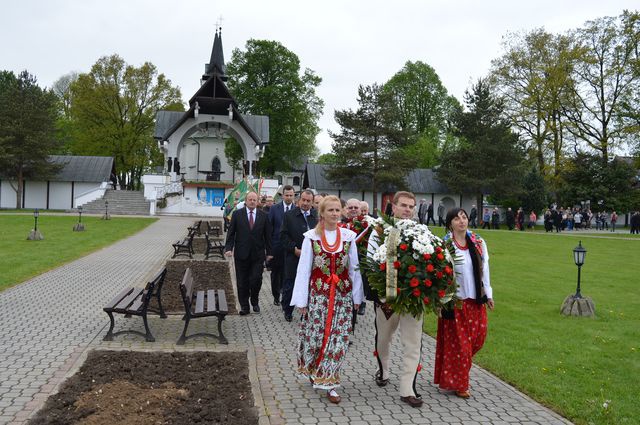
[
  {"x": 276, "y": 215},
  {"x": 386, "y": 323}
]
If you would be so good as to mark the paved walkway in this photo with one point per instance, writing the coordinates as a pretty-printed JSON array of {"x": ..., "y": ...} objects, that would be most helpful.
[{"x": 31, "y": 365}]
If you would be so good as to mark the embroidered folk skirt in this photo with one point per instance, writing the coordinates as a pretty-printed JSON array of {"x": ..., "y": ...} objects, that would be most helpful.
[
  {"x": 456, "y": 343},
  {"x": 320, "y": 357}
]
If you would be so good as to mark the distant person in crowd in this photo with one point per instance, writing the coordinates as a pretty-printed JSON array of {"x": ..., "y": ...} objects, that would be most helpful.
[
  {"x": 430, "y": 215},
  {"x": 249, "y": 242},
  {"x": 276, "y": 216},
  {"x": 294, "y": 224},
  {"x": 317, "y": 198},
  {"x": 520, "y": 219},
  {"x": 441, "y": 213},
  {"x": 557, "y": 219},
  {"x": 462, "y": 331},
  {"x": 634, "y": 222},
  {"x": 364, "y": 208},
  {"x": 486, "y": 219},
  {"x": 548, "y": 221},
  {"x": 268, "y": 203},
  {"x": 532, "y": 220},
  {"x": 473, "y": 217},
  {"x": 614, "y": 220},
  {"x": 495, "y": 219},
  {"x": 326, "y": 309},
  {"x": 604, "y": 220},
  {"x": 388, "y": 211},
  {"x": 422, "y": 211},
  {"x": 510, "y": 219},
  {"x": 353, "y": 212},
  {"x": 577, "y": 221}
]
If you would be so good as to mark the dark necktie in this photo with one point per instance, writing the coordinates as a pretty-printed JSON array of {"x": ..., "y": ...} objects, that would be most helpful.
[
  {"x": 305, "y": 214},
  {"x": 250, "y": 219}
]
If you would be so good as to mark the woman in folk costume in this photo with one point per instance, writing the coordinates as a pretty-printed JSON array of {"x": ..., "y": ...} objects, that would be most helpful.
[
  {"x": 327, "y": 288},
  {"x": 462, "y": 331}
]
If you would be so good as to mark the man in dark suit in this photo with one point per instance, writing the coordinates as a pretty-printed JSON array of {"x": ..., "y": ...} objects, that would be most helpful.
[
  {"x": 249, "y": 241},
  {"x": 276, "y": 215},
  {"x": 296, "y": 223}
]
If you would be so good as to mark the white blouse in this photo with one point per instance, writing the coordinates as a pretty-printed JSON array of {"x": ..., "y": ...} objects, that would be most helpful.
[
  {"x": 300, "y": 297},
  {"x": 464, "y": 273}
]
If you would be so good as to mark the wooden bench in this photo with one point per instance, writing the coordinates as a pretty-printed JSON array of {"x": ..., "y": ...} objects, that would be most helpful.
[
  {"x": 213, "y": 248},
  {"x": 198, "y": 304},
  {"x": 135, "y": 302},
  {"x": 185, "y": 246},
  {"x": 195, "y": 228},
  {"x": 213, "y": 230}
]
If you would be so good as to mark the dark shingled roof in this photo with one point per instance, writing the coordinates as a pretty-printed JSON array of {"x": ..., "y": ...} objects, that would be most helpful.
[
  {"x": 83, "y": 168},
  {"x": 420, "y": 180},
  {"x": 164, "y": 121}
]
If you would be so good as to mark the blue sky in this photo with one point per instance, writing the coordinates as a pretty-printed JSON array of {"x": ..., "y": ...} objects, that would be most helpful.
[{"x": 347, "y": 43}]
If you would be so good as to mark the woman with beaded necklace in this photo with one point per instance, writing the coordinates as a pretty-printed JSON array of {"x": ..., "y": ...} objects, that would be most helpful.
[
  {"x": 462, "y": 331},
  {"x": 327, "y": 288}
]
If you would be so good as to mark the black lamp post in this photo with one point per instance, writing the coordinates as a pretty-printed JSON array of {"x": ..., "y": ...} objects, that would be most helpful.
[
  {"x": 579, "y": 253},
  {"x": 79, "y": 227},
  {"x": 576, "y": 304},
  {"x": 35, "y": 235}
]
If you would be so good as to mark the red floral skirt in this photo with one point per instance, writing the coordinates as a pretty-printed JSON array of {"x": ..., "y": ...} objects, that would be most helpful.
[{"x": 456, "y": 343}]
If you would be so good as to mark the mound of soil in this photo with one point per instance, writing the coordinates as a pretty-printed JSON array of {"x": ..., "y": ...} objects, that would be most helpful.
[
  {"x": 137, "y": 388},
  {"x": 207, "y": 274}
]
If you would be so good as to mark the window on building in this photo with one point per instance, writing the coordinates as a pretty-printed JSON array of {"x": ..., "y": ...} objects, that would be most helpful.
[{"x": 296, "y": 181}]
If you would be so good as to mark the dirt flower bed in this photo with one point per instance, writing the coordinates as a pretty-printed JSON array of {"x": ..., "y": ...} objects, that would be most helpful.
[
  {"x": 207, "y": 274},
  {"x": 136, "y": 388}
]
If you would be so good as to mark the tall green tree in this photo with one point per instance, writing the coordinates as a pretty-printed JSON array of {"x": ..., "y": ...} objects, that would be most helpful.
[
  {"x": 27, "y": 130},
  {"x": 64, "y": 124},
  {"x": 534, "y": 78},
  {"x": 368, "y": 150},
  {"x": 605, "y": 75},
  {"x": 421, "y": 109},
  {"x": 488, "y": 157},
  {"x": 266, "y": 79},
  {"x": 608, "y": 186},
  {"x": 112, "y": 111}
]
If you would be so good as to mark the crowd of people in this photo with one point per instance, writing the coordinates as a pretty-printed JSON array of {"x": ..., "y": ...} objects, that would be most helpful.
[{"x": 313, "y": 245}]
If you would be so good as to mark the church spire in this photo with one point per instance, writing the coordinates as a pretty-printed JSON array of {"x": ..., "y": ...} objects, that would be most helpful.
[{"x": 216, "y": 63}]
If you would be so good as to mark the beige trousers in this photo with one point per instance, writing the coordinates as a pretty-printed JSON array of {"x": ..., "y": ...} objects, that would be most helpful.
[{"x": 411, "y": 338}]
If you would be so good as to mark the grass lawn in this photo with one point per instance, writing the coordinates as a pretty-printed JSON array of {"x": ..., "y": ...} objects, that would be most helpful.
[
  {"x": 21, "y": 259},
  {"x": 586, "y": 369}
]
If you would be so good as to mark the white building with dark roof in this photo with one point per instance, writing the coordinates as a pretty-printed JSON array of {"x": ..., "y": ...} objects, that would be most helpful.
[
  {"x": 423, "y": 182},
  {"x": 80, "y": 180}
]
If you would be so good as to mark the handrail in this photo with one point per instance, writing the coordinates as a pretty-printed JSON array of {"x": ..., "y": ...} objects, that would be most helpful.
[{"x": 173, "y": 187}]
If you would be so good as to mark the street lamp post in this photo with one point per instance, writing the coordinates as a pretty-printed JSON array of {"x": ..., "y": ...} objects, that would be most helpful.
[
  {"x": 576, "y": 304},
  {"x": 79, "y": 227},
  {"x": 35, "y": 234},
  {"x": 579, "y": 254}
]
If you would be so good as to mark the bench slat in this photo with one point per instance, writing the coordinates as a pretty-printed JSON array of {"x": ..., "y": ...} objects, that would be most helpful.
[
  {"x": 199, "y": 302},
  {"x": 126, "y": 301},
  {"x": 118, "y": 298},
  {"x": 211, "y": 300},
  {"x": 138, "y": 302},
  {"x": 222, "y": 301}
]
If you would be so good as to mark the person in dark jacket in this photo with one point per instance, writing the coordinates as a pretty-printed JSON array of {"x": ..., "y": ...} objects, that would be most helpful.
[{"x": 296, "y": 222}]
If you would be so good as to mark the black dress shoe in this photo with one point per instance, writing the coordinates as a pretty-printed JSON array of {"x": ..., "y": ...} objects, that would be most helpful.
[
  {"x": 381, "y": 382},
  {"x": 276, "y": 302},
  {"x": 256, "y": 309},
  {"x": 288, "y": 317},
  {"x": 412, "y": 401},
  {"x": 244, "y": 312},
  {"x": 361, "y": 309}
]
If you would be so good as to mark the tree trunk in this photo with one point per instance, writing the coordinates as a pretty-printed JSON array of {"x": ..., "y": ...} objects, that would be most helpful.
[{"x": 19, "y": 189}]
